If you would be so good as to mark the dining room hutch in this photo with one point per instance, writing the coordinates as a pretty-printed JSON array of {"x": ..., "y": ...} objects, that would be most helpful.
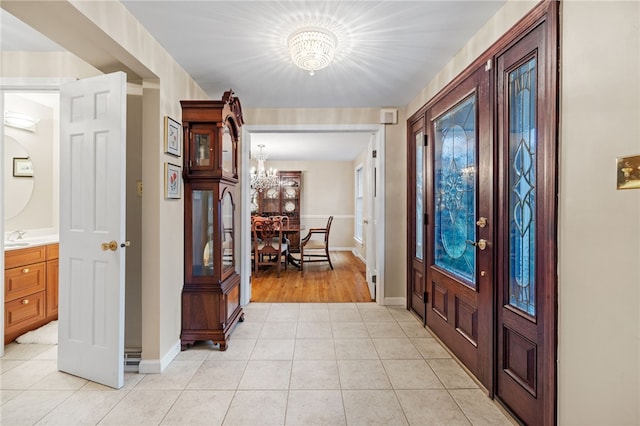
[{"x": 281, "y": 200}]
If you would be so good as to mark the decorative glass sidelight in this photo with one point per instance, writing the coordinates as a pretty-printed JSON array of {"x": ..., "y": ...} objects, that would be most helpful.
[
  {"x": 419, "y": 195},
  {"x": 522, "y": 187},
  {"x": 455, "y": 191}
]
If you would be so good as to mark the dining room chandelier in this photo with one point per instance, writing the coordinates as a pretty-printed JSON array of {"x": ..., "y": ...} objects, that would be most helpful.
[
  {"x": 312, "y": 48},
  {"x": 261, "y": 178}
]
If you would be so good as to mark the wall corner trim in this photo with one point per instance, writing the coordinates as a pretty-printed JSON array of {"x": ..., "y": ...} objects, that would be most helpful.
[{"x": 155, "y": 366}]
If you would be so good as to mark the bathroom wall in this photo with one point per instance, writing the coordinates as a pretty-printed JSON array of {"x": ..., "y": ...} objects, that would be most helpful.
[{"x": 41, "y": 211}]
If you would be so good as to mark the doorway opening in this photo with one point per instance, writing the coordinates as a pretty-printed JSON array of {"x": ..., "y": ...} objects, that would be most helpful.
[{"x": 324, "y": 195}]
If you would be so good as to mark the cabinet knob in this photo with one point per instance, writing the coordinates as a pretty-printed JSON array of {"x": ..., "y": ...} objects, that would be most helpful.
[
  {"x": 25, "y": 302},
  {"x": 25, "y": 270}
]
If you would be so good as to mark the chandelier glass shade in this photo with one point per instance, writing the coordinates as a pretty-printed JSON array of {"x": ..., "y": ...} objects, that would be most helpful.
[
  {"x": 261, "y": 178},
  {"x": 312, "y": 48}
]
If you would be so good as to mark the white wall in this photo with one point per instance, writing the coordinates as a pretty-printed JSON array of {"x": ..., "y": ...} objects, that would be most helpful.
[{"x": 361, "y": 161}]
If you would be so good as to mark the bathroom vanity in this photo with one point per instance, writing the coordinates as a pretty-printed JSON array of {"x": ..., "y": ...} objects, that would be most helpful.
[{"x": 30, "y": 288}]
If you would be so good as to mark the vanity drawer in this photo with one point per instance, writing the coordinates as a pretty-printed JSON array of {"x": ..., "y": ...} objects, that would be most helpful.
[
  {"x": 25, "y": 256},
  {"x": 21, "y": 314},
  {"x": 24, "y": 280}
]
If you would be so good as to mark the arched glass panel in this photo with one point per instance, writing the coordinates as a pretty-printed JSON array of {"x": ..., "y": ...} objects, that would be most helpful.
[
  {"x": 522, "y": 187},
  {"x": 202, "y": 232},
  {"x": 228, "y": 260},
  {"x": 455, "y": 191}
]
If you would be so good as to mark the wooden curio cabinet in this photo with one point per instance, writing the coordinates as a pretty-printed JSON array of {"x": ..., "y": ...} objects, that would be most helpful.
[
  {"x": 281, "y": 200},
  {"x": 211, "y": 292}
]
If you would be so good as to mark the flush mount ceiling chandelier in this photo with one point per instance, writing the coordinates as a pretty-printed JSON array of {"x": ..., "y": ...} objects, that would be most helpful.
[{"x": 312, "y": 48}]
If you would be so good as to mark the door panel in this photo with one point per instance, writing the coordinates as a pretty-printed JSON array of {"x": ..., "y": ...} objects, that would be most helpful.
[
  {"x": 92, "y": 212},
  {"x": 460, "y": 205},
  {"x": 525, "y": 293}
]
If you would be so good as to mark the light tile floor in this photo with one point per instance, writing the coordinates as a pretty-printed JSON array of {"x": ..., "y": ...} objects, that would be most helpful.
[{"x": 286, "y": 364}]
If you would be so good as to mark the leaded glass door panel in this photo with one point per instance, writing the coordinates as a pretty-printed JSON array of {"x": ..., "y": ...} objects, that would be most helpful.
[
  {"x": 525, "y": 362},
  {"x": 460, "y": 206}
]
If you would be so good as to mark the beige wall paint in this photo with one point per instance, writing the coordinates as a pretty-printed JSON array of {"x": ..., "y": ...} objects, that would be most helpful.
[
  {"x": 599, "y": 227},
  {"x": 40, "y": 146},
  {"x": 327, "y": 189}
]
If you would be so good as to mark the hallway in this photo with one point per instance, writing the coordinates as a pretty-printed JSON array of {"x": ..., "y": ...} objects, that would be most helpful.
[{"x": 293, "y": 364}]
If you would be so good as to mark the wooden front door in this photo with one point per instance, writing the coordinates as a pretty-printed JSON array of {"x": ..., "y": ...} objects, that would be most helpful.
[
  {"x": 526, "y": 286},
  {"x": 459, "y": 248}
]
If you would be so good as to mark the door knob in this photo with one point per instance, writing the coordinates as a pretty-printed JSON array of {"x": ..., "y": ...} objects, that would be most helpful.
[
  {"x": 111, "y": 245},
  {"x": 481, "y": 244},
  {"x": 482, "y": 222}
]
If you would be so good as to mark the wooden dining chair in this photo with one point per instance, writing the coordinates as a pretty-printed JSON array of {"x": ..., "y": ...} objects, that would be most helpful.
[
  {"x": 314, "y": 247},
  {"x": 268, "y": 245}
]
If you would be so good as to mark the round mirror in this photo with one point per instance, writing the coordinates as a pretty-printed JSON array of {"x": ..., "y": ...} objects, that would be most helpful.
[{"x": 17, "y": 189}]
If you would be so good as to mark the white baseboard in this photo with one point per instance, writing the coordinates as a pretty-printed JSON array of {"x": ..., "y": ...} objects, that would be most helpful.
[
  {"x": 341, "y": 249},
  {"x": 395, "y": 301},
  {"x": 155, "y": 366},
  {"x": 357, "y": 254}
]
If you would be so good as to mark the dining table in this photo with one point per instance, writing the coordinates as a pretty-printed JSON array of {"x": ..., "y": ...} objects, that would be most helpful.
[{"x": 288, "y": 229}]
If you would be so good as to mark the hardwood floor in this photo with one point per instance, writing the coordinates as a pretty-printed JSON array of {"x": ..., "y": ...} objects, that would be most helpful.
[{"x": 345, "y": 283}]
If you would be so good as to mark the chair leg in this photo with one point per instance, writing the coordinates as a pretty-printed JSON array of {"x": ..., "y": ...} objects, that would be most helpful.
[{"x": 328, "y": 257}]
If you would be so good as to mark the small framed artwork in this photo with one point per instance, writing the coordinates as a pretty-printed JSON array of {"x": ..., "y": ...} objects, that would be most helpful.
[
  {"x": 172, "y": 131},
  {"x": 171, "y": 180},
  {"x": 22, "y": 167}
]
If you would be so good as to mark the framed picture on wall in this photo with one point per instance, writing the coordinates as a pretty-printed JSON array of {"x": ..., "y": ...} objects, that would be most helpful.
[
  {"x": 171, "y": 180},
  {"x": 172, "y": 132}
]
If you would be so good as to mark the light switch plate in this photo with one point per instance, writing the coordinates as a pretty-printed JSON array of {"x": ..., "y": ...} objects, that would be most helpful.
[{"x": 628, "y": 172}]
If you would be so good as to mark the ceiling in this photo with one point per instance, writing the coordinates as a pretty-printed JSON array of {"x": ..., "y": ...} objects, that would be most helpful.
[{"x": 387, "y": 52}]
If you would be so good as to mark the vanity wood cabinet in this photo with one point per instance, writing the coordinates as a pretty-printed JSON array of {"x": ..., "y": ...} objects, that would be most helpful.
[
  {"x": 211, "y": 293},
  {"x": 30, "y": 289}
]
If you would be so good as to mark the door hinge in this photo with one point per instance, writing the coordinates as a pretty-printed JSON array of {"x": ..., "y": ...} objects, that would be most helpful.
[
  {"x": 426, "y": 139},
  {"x": 488, "y": 65},
  {"x": 374, "y": 153},
  {"x": 426, "y": 218},
  {"x": 374, "y": 278},
  {"x": 425, "y": 297}
]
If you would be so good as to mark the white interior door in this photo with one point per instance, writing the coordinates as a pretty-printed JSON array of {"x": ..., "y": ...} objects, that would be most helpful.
[
  {"x": 370, "y": 225},
  {"x": 92, "y": 212}
]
